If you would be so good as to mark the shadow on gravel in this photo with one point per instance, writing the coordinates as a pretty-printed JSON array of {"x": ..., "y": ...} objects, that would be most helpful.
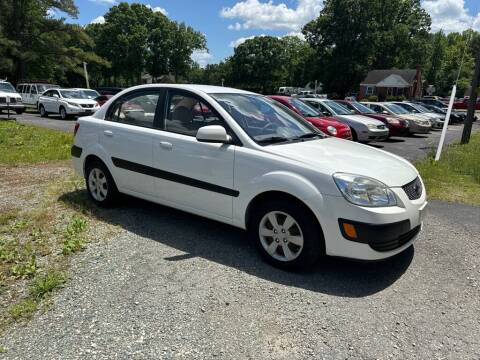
[
  {"x": 227, "y": 245},
  {"x": 394, "y": 140}
]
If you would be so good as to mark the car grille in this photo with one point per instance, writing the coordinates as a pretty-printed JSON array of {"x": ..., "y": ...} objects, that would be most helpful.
[
  {"x": 390, "y": 245},
  {"x": 413, "y": 189},
  {"x": 13, "y": 101},
  {"x": 3, "y": 100},
  {"x": 86, "y": 105}
]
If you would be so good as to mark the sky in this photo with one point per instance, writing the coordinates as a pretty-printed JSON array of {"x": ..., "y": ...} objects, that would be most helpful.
[{"x": 228, "y": 23}]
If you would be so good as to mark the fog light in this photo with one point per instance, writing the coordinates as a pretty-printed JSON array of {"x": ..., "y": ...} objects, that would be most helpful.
[{"x": 350, "y": 231}]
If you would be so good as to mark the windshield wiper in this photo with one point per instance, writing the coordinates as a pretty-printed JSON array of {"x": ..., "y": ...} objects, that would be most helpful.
[
  {"x": 273, "y": 140},
  {"x": 308, "y": 135}
]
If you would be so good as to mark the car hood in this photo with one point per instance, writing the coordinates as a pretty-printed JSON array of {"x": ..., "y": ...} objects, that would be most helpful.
[
  {"x": 359, "y": 119},
  {"x": 412, "y": 118},
  {"x": 10, "y": 94},
  {"x": 81, "y": 101},
  {"x": 332, "y": 155},
  {"x": 327, "y": 121}
]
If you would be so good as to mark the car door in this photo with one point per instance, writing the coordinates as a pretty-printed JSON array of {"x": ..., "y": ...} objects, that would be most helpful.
[
  {"x": 194, "y": 175},
  {"x": 126, "y": 136},
  {"x": 45, "y": 100}
]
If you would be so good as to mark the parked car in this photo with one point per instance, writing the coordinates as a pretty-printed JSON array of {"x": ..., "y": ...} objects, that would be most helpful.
[
  {"x": 10, "y": 99},
  {"x": 364, "y": 129},
  {"x": 415, "y": 124},
  {"x": 455, "y": 116},
  {"x": 102, "y": 99},
  {"x": 66, "y": 102},
  {"x": 30, "y": 92},
  {"x": 254, "y": 165},
  {"x": 437, "y": 120},
  {"x": 396, "y": 126},
  {"x": 435, "y": 102},
  {"x": 462, "y": 104},
  {"x": 328, "y": 125}
]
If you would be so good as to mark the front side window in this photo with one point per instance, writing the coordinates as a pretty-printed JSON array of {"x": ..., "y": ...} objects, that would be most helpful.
[
  {"x": 396, "y": 109},
  {"x": 361, "y": 108},
  {"x": 34, "y": 89},
  {"x": 265, "y": 120},
  {"x": 186, "y": 114},
  {"x": 336, "y": 108},
  {"x": 138, "y": 110}
]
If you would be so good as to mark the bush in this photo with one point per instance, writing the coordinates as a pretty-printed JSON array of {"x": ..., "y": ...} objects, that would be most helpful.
[{"x": 373, "y": 98}]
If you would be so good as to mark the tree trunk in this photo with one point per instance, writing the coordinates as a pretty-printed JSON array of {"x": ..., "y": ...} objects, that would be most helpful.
[{"x": 467, "y": 127}]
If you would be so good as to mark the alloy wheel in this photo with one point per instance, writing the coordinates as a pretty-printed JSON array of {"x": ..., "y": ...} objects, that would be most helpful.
[
  {"x": 97, "y": 184},
  {"x": 281, "y": 236}
]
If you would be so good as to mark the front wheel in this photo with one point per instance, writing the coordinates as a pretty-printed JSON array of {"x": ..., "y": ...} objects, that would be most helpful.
[
  {"x": 19, "y": 111},
  {"x": 287, "y": 234},
  {"x": 100, "y": 185},
  {"x": 43, "y": 113},
  {"x": 63, "y": 113}
]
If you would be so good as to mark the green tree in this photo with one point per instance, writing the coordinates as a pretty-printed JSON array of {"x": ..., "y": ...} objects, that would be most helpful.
[{"x": 353, "y": 36}]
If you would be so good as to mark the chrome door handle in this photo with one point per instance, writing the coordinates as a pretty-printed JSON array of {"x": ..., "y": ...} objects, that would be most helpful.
[
  {"x": 108, "y": 133},
  {"x": 166, "y": 145}
]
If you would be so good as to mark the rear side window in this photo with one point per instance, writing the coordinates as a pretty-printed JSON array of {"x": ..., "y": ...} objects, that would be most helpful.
[
  {"x": 34, "y": 89},
  {"x": 135, "y": 109},
  {"x": 186, "y": 114},
  {"x": 27, "y": 89}
]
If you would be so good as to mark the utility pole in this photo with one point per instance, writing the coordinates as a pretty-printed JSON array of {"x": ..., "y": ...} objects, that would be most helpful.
[
  {"x": 467, "y": 127},
  {"x": 86, "y": 74}
]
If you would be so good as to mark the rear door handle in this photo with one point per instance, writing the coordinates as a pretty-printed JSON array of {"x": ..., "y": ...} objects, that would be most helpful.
[
  {"x": 166, "y": 145},
  {"x": 108, "y": 133}
]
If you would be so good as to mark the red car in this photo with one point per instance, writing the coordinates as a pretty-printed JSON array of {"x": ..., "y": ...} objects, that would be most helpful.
[
  {"x": 102, "y": 99},
  {"x": 396, "y": 125},
  {"x": 328, "y": 125},
  {"x": 463, "y": 104}
]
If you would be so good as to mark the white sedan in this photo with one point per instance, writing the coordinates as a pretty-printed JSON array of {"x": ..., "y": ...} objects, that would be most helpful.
[
  {"x": 245, "y": 160},
  {"x": 66, "y": 102}
]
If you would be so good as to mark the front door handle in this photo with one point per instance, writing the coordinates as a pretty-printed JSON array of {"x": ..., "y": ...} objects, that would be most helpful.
[
  {"x": 166, "y": 145},
  {"x": 108, "y": 133}
]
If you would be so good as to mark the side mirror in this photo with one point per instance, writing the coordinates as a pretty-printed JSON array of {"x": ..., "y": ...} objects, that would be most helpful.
[
  {"x": 213, "y": 134},
  {"x": 326, "y": 113},
  {"x": 56, "y": 96},
  {"x": 385, "y": 112}
]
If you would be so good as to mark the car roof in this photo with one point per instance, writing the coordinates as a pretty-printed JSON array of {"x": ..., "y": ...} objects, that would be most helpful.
[{"x": 207, "y": 89}]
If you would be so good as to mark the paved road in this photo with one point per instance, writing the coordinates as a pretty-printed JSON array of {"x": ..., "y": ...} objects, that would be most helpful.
[
  {"x": 412, "y": 148},
  {"x": 175, "y": 285}
]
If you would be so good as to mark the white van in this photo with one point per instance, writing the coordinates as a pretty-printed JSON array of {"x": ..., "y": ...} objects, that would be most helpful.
[{"x": 30, "y": 92}]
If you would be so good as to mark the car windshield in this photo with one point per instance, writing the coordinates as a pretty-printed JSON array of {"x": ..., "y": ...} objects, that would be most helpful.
[
  {"x": 305, "y": 109},
  {"x": 73, "y": 94},
  {"x": 265, "y": 120},
  {"x": 362, "y": 108},
  {"x": 409, "y": 108},
  {"x": 7, "y": 87},
  {"x": 421, "y": 108},
  {"x": 336, "y": 108},
  {"x": 396, "y": 109},
  {"x": 90, "y": 94},
  {"x": 44, "y": 87}
]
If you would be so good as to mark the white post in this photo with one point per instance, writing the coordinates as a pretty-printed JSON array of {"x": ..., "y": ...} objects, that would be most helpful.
[
  {"x": 86, "y": 74},
  {"x": 445, "y": 124}
]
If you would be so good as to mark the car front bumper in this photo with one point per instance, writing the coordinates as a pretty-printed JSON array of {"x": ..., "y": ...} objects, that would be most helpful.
[
  {"x": 4, "y": 106},
  {"x": 81, "y": 111},
  {"x": 418, "y": 128},
  {"x": 377, "y": 134},
  {"x": 382, "y": 231}
]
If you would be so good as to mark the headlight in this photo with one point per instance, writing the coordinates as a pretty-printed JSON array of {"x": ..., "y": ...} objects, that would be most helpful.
[
  {"x": 72, "y": 104},
  {"x": 372, "y": 126},
  {"x": 364, "y": 191},
  {"x": 332, "y": 130},
  {"x": 393, "y": 121}
]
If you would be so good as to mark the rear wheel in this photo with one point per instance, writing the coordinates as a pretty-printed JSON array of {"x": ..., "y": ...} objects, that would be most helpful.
[
  {"x": 63, "y": 113},
  {"x": 43, "y": 113},
  {"x": 286, "y": 234},
  {"x": 19, "y": 111},
  {"x": 100, "y": 185}
]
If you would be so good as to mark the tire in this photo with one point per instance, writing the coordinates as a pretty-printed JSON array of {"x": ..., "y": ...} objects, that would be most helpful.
[
  {"x": 354, "y": 135},
  {"x": 106, "y": 193},
  {"x": 280, "y": 251},
  {"x": 42, "y": 111},
  {"x": 63, "y": 113},
  {"x": 19, "y": 112}
]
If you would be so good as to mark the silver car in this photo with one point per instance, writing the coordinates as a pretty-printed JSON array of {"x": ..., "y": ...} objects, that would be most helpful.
[
  {"x": 364, "y": 129},
  {"x": 437, "y": 120}
]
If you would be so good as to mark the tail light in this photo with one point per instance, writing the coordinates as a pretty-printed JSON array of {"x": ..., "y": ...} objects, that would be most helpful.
[{"x": 75, "y": 129}]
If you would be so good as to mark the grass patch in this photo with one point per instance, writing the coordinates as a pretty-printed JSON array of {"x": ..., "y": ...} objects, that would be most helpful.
[
  {"x": 45, "y": 284},
  {"x": 24, "y": 144},
  {"x": 75, "y": 236},
  {"x": 456, "y": 177},
  {"x": 25, "y": 308}
]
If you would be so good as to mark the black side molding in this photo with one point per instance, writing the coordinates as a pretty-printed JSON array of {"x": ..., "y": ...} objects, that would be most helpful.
[
  {"x": 76, "y": 151},
  {"x": 161, "y": 174}
]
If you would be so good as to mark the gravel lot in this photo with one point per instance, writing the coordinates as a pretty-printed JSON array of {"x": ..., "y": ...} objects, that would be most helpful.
[{"x": 175, "y": 285}]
